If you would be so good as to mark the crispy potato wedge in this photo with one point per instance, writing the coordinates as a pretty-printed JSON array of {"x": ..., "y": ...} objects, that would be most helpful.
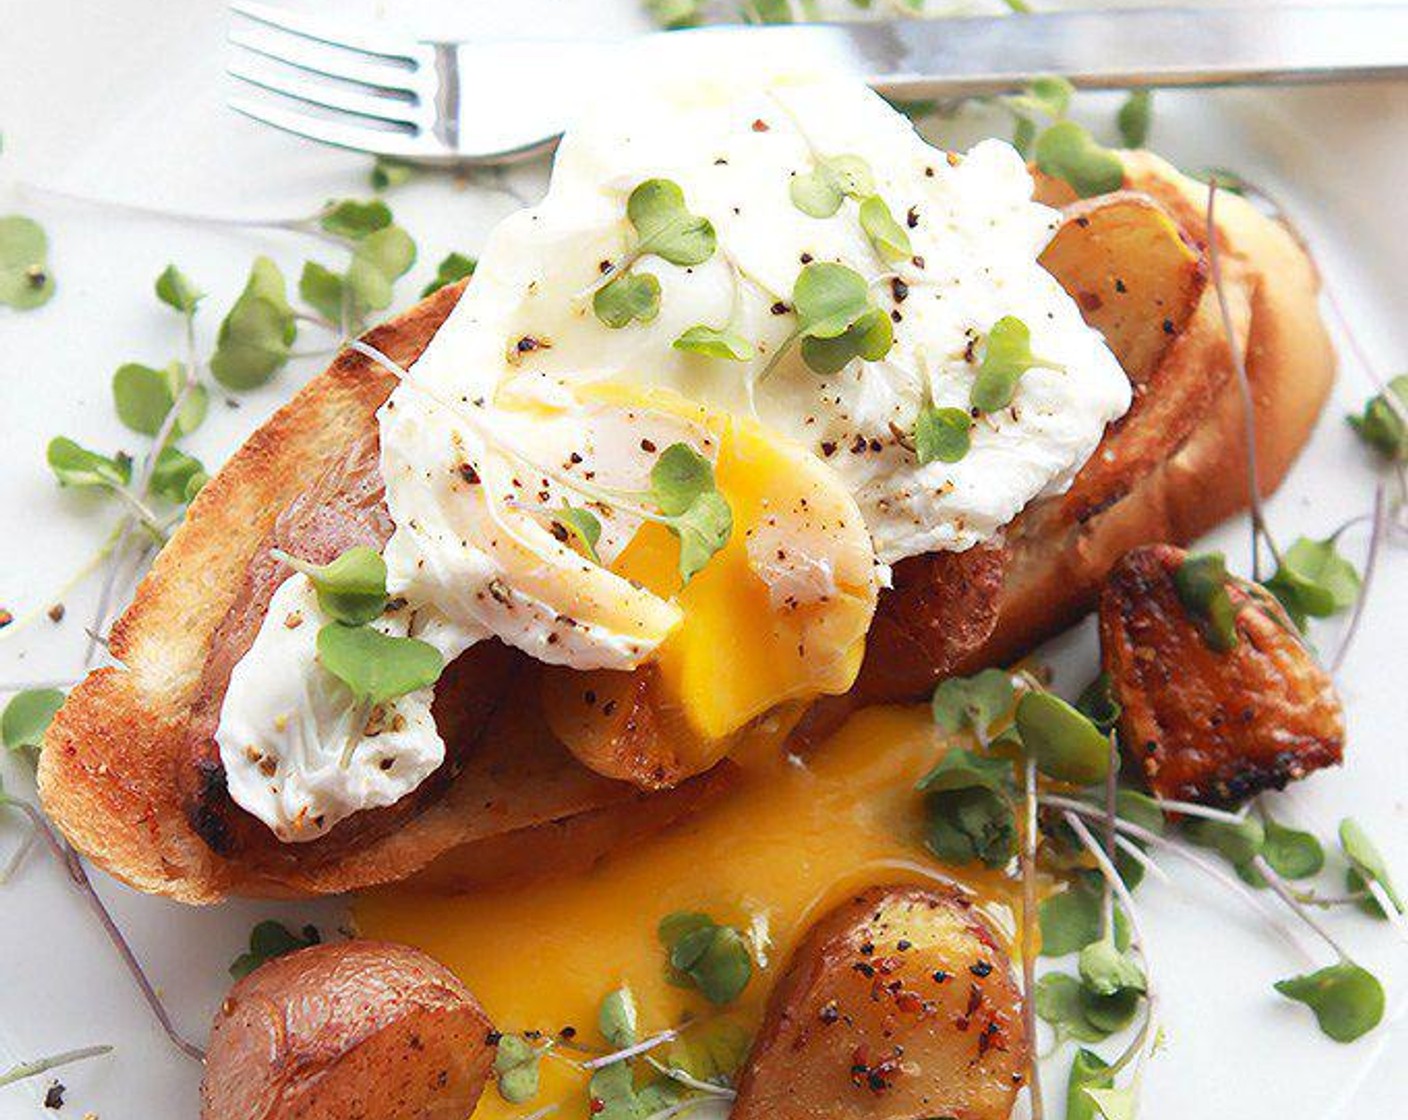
[
  {"x": 897, "y": 1004},
  {"x": 361, "y": 1030},
  {"x": 1205, "y": 725},
  {"x": 1141, "y": 284}
]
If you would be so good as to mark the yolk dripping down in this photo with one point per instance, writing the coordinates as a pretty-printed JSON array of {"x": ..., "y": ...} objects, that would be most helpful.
[
  {"x": 780, "y": 614},
  {"x": 786, "y": 843}
]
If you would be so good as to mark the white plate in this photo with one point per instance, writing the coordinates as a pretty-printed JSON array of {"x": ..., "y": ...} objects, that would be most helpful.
[{"x": 123, "y": 101}]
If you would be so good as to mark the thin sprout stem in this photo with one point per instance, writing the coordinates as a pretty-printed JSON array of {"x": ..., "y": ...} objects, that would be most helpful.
[
  {"x": 1193, "y": 809},
  {"x": 1385, "y": 903},
  {"x": 15, "y": 861},
  {"x": 1107, "y": 910},
  {"x": 674, "y": 1073},
  {"x": 1285, "y": 894},
  {"x": 642, "y": 1047},
  {"x": 1234, "y": 347},
  {"x": 1141, "y": 857},
  {"x": 44, "y": 1065},
  {"x": 1207, "y": 867},
  {"x": 1361, "y": 358},
  {"x": 1143, "y": 1044},
  {"x": 1029, "y": 910},
  {"x": 66, "y": 855},
  {"x": 1371, "y": 564}
]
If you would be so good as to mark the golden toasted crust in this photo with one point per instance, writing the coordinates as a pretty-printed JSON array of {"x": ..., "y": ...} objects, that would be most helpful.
[
  {"x": 107, "y": 773},
  {"x": 1055, "y": 567}
]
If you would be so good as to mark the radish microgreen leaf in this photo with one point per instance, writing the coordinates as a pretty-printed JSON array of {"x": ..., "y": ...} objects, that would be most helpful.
[
  {"x": 25, "y": 279},
  {"x": 1348, "y": 1000},
  {"x": 629, "y": 298},
  {"x": 716, "y": 342},
  {"x": 1067, "y": 151},
  {"x": 256, "y": 337},
  {"x": 1007, "y": 355},
  {"x": 269, "y": 940},
  {"x": 942, "y": 435},
  {"x": 711, "y": 957},
  {"x": 1312, "y": 580},
  {"x": 351, "y": 589},
  {"x": 454, "y": 268},
  {"x": 377, "y": 667},
  {"x": 27, "y": 716}
]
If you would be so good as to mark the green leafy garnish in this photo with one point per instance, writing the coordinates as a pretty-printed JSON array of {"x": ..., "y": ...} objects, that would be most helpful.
[
  {"x": 836, "y": 320},
  {"x": 1006, "y": 356},
  {"x": 175, "y": 290},
  {"x": 665, "y": 226},
  {"x": 323, "y": 290},
  {"x": 973, "y": 701},
  {"x": 77, "y": 466},
  {"x": 454, "y": 268},
  {"x": 516, "y": 1064},
  {"x": 143, "y": 396},
  {"x": 1071, "y": 920},
  {"x": 352, "y": 588},
  {"x": 673, "y": 14},
  {"x": 1239, "y": 844},
  {"x": 1134, "y": 118},
  {"x": 1107, "y": 971},
  {"x": 1348, "y": 1000},
  {"x": 682, "y": 487},
  {"x": 582, "y": 524},
  {"x": 1077, "y": 1012},
  {"x": 713, "y": 1050},
  {"x": 613, "y": 1094},
  {"x": 716, "y": 342},
  {"x": 1313, "y": 580},
  {"x": 1048, "y": 96},
  {"x": 1098, "y": 704},
  {"x": 1380, "y": 425},
  {"x": 1366, "y": 865},
  {"x": 1065, "y": 744},
  {"x": 889, "y": 239},
  {"x": 968, "y": 809},
  {"x": 25, "y": 279},
  {"x": 617, "y": 1018},
  {"x": 379, "y": 259},
  {"x": 176, "y": 476},
  {"x": 1087, "y": 1072},
  {"x": 354, "y": 219},
  {"x": 1201, "y": 583},
  {"x": 375, "y": 666},
  {"x": 388, "y": 172},
  {"x": 255, "y": 338},
  {"x": 27, "y": 716},
  {"x": 942, "y": 435},
  {"x": 711, "y": 957},
  {"x": 1067, "y": 151},
  {"x": 1292, "y": 854},
  {"x": 819, "y": 193},
  {"x": 269, "y": 940},
  {"x": 628, "y": 298}
]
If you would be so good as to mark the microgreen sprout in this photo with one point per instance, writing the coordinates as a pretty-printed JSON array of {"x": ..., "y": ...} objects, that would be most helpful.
[
  {"x": 351, "y": 589},
  {"x": 27, "y": 716},
  {"x": 25, "y": 1070},
  {"x": 942, "y": 435},
  {"x": 836, "y": 320},
  {"x": 968, "y": 809},
  {"x": 269, "y": 940},
  {"x": 820, "y": 192},
  {"x": 706, "y": 955},
  {"x": 1007, "y": 355},
  {"x": 453, "y": 268},
  {"x": 25, "y": 279}
]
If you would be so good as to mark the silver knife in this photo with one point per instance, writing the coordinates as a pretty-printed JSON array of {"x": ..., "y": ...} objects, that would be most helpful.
[{"x": 472, "y": 101}]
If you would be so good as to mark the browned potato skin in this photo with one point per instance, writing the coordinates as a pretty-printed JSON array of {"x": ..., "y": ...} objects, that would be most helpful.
[
  {"x": 362, "y": 1030},
  {"x": 1204, "y": 725},
  {"x": 861, "y": 1026}
]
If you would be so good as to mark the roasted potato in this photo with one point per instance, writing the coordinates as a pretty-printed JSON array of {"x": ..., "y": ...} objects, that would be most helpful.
[
  {"x": 1143, "y": 285},
  {"x": 362, "y": 1030},
  {"x": 897, "y": 1004},
  {"x": 1202, "y": 724}
]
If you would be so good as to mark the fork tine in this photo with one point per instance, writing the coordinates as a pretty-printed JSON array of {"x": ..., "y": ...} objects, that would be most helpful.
[
  {"x": 329, "y": 62},
  {"x": 342, "y": 134},
  {"x": 391, "y": 109},
  {"x": 314, "y": 28}
]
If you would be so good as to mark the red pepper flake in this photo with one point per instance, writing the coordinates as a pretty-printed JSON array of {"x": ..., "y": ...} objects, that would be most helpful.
[
  {"x": 761, "y": 125},
  {"x": 469, "y": 474},
  {"x": 597, "y": 1105},
  {"x": 5, "y": 618}
]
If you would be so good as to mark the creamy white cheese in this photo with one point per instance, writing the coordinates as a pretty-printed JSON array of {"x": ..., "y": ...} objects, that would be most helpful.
[{"x": 287, "y": 724}]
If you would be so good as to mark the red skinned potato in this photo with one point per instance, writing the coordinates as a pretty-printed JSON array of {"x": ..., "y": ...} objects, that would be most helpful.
[
  {"x": 361, "y": 1030},
  {"x": 898, "y": 1004}
]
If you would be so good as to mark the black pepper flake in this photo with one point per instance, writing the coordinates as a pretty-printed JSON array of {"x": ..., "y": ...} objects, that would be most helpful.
[
  {"x": 828, "y": 448},
  {"x": 568, "y": 1032},
  {"x": 981, "y": 968},
  {"x": 903, "y": 945},
  {"x": 1168, "y": 326},
  {"x": 899, "y": 289},
  {"x": 912, "y": 218},
  {"x": 779, "y": 308},
  {"x": 54, "y": 1096},
  {"x": 492, "y": 1038},
  {"x": 1120, "y": 286},
  {"x": 527, "y": 344},
  {"x": 648, "y": 446},
  {"x": 56, "y": 612},
  {"x": 807, "y": 258},
  {"x": 940, "y": 976}
]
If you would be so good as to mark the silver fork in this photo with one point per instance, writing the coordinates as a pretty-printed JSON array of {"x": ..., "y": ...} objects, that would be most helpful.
[{"x": 476, "y": 102}]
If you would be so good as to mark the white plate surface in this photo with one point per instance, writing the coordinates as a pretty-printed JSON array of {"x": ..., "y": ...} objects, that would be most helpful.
[{"x": 123, "y": 100}]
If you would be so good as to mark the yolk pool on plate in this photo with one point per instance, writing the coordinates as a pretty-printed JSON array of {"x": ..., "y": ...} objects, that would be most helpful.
[{"x": 788, "y": 840}]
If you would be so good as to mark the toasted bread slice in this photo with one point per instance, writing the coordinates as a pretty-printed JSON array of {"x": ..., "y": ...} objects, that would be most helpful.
[{"x": 124, "y": 777}]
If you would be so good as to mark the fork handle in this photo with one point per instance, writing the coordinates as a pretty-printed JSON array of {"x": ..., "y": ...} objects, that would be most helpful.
[{"x": 1106, "y": 49}]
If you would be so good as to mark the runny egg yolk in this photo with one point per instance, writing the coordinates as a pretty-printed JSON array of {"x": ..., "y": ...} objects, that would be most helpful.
[
  {"x": 778, "y": 615},
  {"x": 780, "y": 847}
]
